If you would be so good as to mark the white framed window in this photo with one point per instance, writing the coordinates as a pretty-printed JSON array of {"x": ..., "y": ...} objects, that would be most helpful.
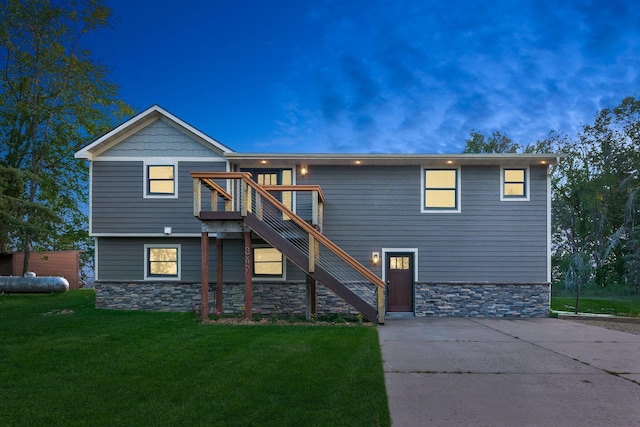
[
  {"x": 440, "y": 190},
  {"x": 160, "y": 179},
  {"x": 514, "y": 184},
  {"x": 268, "y": 263},
  {"x": 162, "y": 262}
]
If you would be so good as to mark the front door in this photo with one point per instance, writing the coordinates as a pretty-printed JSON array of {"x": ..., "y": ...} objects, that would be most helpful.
[{"x": 400, "y": 282}]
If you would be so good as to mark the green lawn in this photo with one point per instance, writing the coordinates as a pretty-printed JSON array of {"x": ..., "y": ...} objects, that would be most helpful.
[
  {"x": 618, "y": 307},
  {"x": 100, "y": 367}
]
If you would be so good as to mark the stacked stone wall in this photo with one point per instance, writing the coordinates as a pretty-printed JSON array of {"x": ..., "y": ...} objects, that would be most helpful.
[
  {"x": 267, "y": 298},
  {"x": 482, "y": 300},
  {"x": 430, "y": 299}
]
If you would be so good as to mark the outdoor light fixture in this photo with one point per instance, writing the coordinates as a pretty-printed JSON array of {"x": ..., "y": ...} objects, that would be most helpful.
[
  {"x": 375, "y": 258},
  {"x": 303, "y": 170},
  {"x": 167, "y": 230}
]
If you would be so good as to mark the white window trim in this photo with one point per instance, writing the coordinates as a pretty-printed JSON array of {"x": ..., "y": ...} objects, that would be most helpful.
[
  {"x": 458, "y": 209},
  {"x": 527, "y": 179},
  {"x": 268, "y": 278},
  {"x": 146, "y": 261},
  {"x": 145, "y": 183}
]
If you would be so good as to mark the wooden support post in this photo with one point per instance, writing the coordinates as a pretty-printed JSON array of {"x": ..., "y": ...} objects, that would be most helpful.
[
  {"x": 311, "y": 298},
  {"x": 204, "y": 275},
  {"x": 381, "y": 292},
  {"x": 197, "y": 197},
  {"x": 312, "y": 253},
  {"x": 220, "y": 275},
  {"x": 245, "y": 199},
  {"x": 248, "y": 273},
  {"x": 259, "y": 209},
  {"x": 314, "y": 208}
]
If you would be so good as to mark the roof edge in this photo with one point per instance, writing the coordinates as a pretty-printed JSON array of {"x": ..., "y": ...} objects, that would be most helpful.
[{"x": 258, "y": 159}]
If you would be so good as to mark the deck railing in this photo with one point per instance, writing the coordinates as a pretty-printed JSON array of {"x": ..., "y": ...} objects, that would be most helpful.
[{"x": 241, "y": 194}]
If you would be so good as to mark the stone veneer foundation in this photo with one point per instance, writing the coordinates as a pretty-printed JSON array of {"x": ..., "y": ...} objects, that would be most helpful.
[
  {"x": 268, "y": 298},
  {"x": 430, "y": 299},
  {"x": 482, "y": 300}
]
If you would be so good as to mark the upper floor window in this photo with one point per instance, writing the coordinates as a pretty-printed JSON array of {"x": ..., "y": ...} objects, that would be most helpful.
[
  {"x": 160, "y": 181},
  {"x": 441, "y": 190},
  {"x": 162, "y": 262},
  {"x": 268, "y": 263},
  {"x": 514, "y": 184}
]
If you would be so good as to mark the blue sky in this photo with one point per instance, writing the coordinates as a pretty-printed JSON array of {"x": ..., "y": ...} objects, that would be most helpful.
[{"x": 370, "y": 76}]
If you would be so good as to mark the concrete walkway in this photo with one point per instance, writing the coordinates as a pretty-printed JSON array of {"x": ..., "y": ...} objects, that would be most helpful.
[{"x": 495, "y": 372}]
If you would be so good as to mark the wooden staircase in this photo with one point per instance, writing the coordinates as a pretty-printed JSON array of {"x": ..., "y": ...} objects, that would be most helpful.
[{"x": 254, "y": 208}]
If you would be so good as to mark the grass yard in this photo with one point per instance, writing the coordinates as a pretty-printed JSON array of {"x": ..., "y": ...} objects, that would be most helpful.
[
  {"x": 65, "y": 363},
  {"x": 618, "y": 307}
]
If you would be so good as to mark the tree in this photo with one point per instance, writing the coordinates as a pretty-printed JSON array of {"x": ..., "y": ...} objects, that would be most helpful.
[
  {"x": 54, "y": 99},
  {"x": 595, "y": 209},
  {"x": 496, "y": 143}
]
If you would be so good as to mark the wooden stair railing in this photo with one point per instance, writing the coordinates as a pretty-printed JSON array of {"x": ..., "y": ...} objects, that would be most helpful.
[{"x": 259, "y": 208}]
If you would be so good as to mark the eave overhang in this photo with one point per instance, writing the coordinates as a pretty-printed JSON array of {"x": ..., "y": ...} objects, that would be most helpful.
[{"x": 268, "y": 159}]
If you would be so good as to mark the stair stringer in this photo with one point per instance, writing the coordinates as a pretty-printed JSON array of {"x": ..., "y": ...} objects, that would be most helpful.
[{"x": 271, "y": 236}]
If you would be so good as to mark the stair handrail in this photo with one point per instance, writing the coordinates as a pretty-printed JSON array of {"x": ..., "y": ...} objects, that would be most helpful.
[
  {"x": 353, "y": 263},
  {"x": 246, "y": 178}
]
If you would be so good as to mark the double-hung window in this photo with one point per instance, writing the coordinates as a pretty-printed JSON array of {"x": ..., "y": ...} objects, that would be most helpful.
[
  {"x": 441, "y": 190},
  {"x": 162, "y": 262},
  {"x": 268, "y": 263},
  {"x": 514, "y": 184},
  {"x": 160, "y": 180}
]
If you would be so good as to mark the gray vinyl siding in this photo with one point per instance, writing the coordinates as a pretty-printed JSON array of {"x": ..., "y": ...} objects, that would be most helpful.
[
  {"x": 366, "y": 209},
  {"x": 161, "y": 139},
  {"x": 370, "y": 208},
  {"x": 118, "y": 204},
  {"x": 122, "y": 258}
]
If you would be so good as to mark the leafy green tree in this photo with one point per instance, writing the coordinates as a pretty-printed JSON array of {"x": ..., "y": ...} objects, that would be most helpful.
[
  {"x": 496, "y": 143},
  {"x": 54, "y": 99},
  {"x": 595, "y": 235}
]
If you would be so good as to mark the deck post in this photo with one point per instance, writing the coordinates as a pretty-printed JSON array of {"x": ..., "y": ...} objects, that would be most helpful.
[
  {"x": 381, "y": 309},
  {"x": 204, "y": 275},
  {"x": 197, "y": 197},
  {"x": 248, "y": 270},
  {"x": 314, "y": 208},
  {"x": 219, "y": 273},
  {"x": 312, "y": 254},
  {"x": 311, "y": 298}
]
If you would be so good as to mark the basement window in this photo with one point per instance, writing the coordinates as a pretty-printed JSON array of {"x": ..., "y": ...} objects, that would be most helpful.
[
  {"x": 162, "y": 262},
  {"x": 268, "y": 263}
]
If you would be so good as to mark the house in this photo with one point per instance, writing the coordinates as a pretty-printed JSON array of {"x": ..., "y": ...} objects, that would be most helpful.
[
  {"x": 47, "y": 263},
  {"x": 182, "y": 222}
]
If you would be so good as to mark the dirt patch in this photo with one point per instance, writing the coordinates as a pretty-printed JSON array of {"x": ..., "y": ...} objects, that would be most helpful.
[{"x": 629, "y": 327}]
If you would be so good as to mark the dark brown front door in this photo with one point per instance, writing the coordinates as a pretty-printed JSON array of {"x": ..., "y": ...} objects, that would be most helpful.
[{"x": 400, "y": 282}]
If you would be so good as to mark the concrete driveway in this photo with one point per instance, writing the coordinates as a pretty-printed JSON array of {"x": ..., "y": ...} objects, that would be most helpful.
[{"x": 495, "y": 372}]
